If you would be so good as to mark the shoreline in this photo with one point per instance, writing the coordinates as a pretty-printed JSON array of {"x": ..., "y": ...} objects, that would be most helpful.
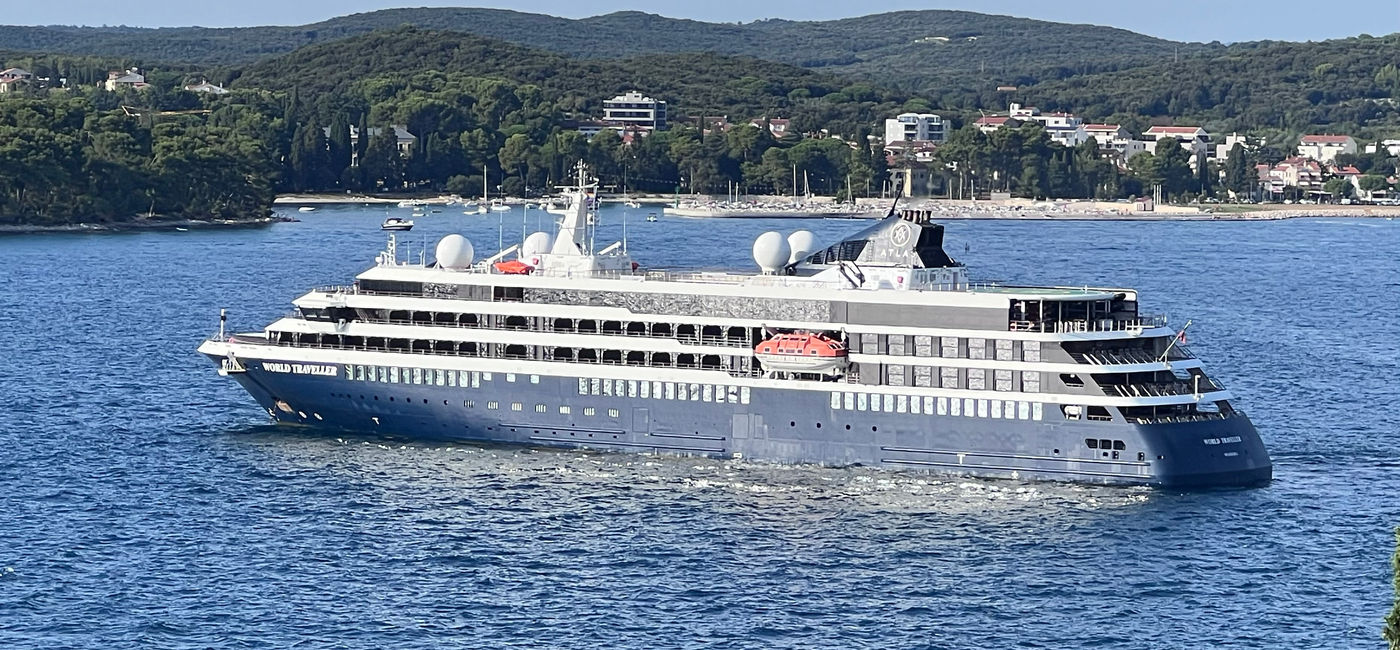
[
  {"x": 1015, "y": 209},
  {"x": 141, "y": 225}
]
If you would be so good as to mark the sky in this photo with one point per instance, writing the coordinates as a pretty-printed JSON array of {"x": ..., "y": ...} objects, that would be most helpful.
[{"x": 1182, "y": 20}]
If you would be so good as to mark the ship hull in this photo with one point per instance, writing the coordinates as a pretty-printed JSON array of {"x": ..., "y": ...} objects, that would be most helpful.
[{"x": 767, "y": 425}]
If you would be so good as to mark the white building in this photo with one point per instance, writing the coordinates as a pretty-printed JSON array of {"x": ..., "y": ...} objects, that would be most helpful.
[
  {"x": 403, "y": 140},
  {"x": 1222, "y": 150},
  {"x": 205, "y": 87},
  {"x": 1113, "y": 138},
  {"x": 1192, "y": 138},
  {"x": 1063, "y": 128},
  {"x": 636, "y": 110},
  {"x": 131, "y": 78},
  {"x": 1391, "y": 146},
  {"x": 1326, "y": 148},
  {"x": 920, "y": 127}
]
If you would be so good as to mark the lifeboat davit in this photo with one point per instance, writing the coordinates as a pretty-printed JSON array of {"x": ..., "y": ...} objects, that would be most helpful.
[{"x": 801, "y": 352}]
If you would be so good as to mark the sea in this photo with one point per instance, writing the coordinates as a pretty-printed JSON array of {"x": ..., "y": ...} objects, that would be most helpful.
[{"x": 145, "y": 502}]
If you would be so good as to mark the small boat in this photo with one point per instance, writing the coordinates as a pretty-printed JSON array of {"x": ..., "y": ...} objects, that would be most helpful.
[
  {"x": 395, "y": 223},
  {"x": 632, "y": 204},
  {"x": 801, "y": 352},
  {"x": 306, "y": 208},
  {"x": 179, "y": 229},
  {"x": 412, "y": 203},
  {"x": 499, "y": 206},
  {"x": 651, "y": 216}
]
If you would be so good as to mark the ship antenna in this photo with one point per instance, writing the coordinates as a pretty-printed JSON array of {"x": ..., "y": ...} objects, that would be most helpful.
[{"x": 223, "y": 316}]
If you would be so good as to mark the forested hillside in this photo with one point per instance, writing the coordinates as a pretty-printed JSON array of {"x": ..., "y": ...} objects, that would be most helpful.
[
  {"x": 913, "y": 46},
  {"x": 1342, "y": 86}
]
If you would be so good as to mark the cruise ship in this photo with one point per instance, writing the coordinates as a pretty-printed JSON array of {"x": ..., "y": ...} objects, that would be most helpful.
[{"x": 875, "y": 350}]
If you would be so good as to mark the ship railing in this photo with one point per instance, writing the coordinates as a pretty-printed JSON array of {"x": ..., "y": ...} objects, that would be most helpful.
[
  {"x": 1130, "y": 325},
  {"x": 1204, "y": 385},
  {"x": 1115, "y": 358},
  {"x": 1186, "y": 417}
]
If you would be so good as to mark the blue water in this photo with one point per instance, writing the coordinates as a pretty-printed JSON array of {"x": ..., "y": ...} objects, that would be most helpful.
[{"x": 144, "y": 502}]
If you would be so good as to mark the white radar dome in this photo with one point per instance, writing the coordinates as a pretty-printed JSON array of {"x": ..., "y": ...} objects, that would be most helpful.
[
  {"x": 538, "y": 243},
  {"x": 454, "y": 252},
  {"x": 771, "y": 251},
  {"x": 802, "y": 243}
]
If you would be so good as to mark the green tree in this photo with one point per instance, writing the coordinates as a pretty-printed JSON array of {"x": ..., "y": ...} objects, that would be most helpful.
[
  {"x": 338, "y": 146},
  {"x": 1339, "y": 188},
  {"x": 1371, "y": 183},
  {"x": 381, "y": 165},
  {"x": 1239, "y": 173}
]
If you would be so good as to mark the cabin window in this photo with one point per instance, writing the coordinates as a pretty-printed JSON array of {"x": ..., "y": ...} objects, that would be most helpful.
[
  {"x": 589, "y": 410},
  {"x": 976, "y": 379},
  {"x": 1037, "y": 411},
  {"x": 708, "y": 394},
  {"x": 1030, "y": 381},
  {"x": 1002, "y": 379},
  {"x": 1030, "y": 350},
  {"x": 862, "y": 401},
  {"x": 889, "y": 403},
  {"x": 901, "y": 404},
  {"x": 836, "y": 401},
  {"x": 646, "y": 390},
  {"x": 950, "y": 347},
  {"x": 493, "y": 405},
  {"x": 948, "y": 377},
  {"x": 969, "y": 407},
  {"x": 1091, "y": 443},
  {"x": 541, "y": 408},
  {"x": 656, "y": 389},
  {"x": 670, "y": 390},
  {"x": 744, "y": 395},
  {"x": 1023, "y": 410},
  {"x": 957, "y": 407},
  {"x": 607, "y": 388},
  {"x": 977, "y": 348},
  {"x": 928, "y": 405},
  {"x": 981, "y": 408},
  {"x": 943, "y": 406},
  {"x": 564, "y": 409},
  {"x": 619, "y": 387},
  {"x": 1073, "y": 381},
  {"x": 632, "y": 388},
  {"x": 695, "y": 392},
  {"x": 1003, "y": 348},
  {"x": 517, "y": 406},
  {"x": 451, "y": 378},
  {"x": 894, "y": 375},
  {"x": 394, "y": 375},
  {"x": 923, "y": 376},
  {"x": 996, "y": 409},
  {"x": 895, "y": 342},
  {"x": 612, "y": 413},
  {"x": 923, "y": 346}
]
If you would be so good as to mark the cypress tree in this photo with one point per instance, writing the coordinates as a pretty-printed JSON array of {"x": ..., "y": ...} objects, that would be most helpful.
[{"x": 339, "y": 145}]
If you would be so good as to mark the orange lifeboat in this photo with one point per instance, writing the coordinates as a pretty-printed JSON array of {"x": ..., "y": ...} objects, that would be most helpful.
[{"x": 801, "y": 352}]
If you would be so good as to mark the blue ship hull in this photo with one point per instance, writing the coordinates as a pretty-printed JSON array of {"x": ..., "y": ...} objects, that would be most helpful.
[{"x": 775, "y": 425}]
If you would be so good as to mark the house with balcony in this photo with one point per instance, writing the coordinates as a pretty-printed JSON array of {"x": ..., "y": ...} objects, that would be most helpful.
[
  {"x": 130, "y": 78},
  {"x": 633, "y": 109},
  {"x": 403, "y": 140},
  {"x": 1193, "y": 139},
  {"x": 915, "y": 127},
  {"x": 14, "y": 78},
  {"x": 205, "y": 87},
  {"x": 1326, "y": 148}
]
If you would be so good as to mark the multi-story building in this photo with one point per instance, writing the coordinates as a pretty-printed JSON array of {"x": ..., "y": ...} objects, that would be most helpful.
[
  {"x": 1326, "y": 148},
  {"x": 636, "y": 110},
  {"x": 915, "y": 127},
  {"x": 1191, "y": 138}
]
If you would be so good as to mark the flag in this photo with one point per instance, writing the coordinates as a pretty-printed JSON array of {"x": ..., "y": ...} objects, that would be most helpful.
[{"x": 1181, "y": 337}]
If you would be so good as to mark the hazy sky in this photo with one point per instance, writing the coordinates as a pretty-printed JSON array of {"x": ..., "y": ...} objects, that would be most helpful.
[{"x": 1188, "y": 20}]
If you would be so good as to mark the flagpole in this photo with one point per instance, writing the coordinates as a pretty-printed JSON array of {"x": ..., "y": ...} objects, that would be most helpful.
[{"x": 1179, "y": 336}]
